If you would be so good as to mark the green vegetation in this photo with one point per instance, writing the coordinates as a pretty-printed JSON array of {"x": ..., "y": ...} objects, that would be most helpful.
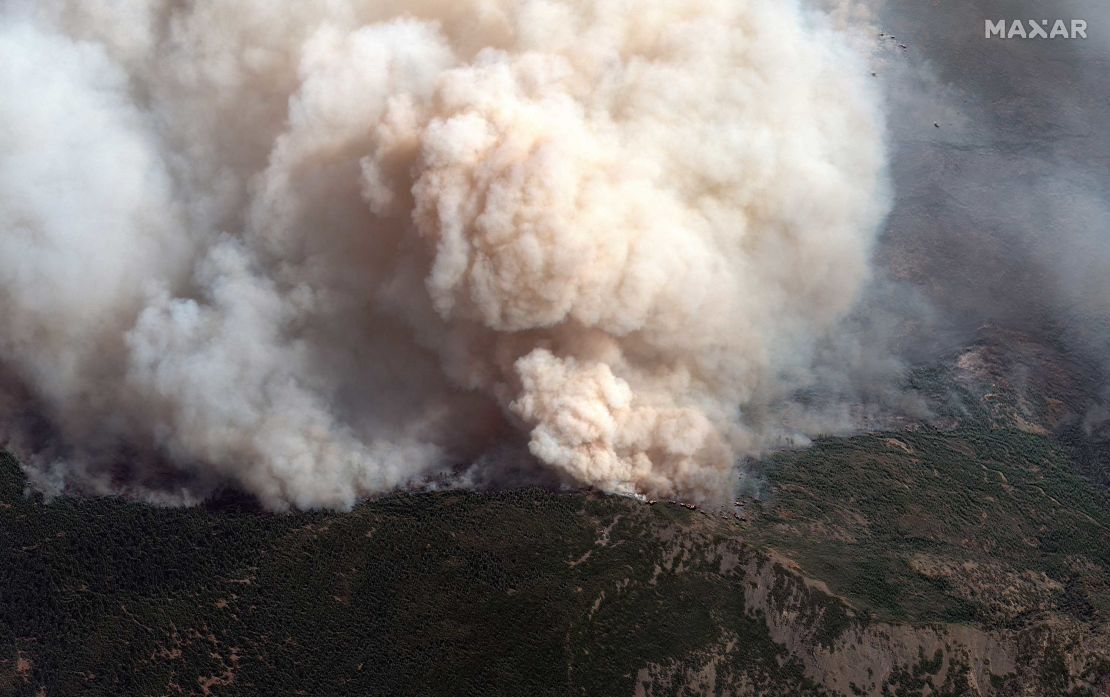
[
  {"x": 910, "y": 525},
  {"x": 533, "y": 592},
  {"x": 524, "y": 592}
]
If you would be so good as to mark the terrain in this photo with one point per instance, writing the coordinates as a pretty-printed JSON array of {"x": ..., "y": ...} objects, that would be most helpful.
[{"x": 965, "y": 554}]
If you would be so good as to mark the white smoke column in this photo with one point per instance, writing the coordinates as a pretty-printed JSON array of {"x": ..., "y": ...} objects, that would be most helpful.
[{"x": 332, "y": 248}]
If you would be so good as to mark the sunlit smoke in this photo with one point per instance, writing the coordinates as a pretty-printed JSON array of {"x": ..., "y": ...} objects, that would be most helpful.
[{"x": 323, "y": 250}]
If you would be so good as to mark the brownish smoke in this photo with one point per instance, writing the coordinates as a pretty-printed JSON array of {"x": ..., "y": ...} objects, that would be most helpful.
[{"x": 329, "y": 249}]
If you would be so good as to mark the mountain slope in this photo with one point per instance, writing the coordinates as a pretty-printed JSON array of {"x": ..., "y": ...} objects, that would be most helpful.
[{"x": 912, "y": 563}]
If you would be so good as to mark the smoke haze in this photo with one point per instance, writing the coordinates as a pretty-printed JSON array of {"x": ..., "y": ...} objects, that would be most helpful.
[
  {"x": 1000, "y": 214},
  {"x": 323, "y": 250}
]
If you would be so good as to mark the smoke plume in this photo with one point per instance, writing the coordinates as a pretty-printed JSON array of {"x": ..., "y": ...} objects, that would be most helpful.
[{"x": 322, "y": 249}]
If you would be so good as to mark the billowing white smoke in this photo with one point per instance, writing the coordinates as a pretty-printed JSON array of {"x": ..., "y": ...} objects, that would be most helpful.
[{"x": 325, "y": 248}]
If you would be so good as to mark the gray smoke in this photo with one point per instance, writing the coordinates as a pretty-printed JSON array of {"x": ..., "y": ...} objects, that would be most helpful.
[
  {"x": 1001, "y": 213},
  {"x": 319, "y": 250}
]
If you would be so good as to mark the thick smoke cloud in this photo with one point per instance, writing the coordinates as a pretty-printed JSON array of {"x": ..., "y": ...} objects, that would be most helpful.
[{"x": 326, "y": 249}]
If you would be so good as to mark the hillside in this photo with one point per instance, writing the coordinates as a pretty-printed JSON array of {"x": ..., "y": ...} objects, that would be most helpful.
[{"x": 969, "y": 562}]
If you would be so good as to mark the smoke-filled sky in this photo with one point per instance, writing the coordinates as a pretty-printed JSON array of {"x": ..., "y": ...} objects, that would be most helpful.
[
  {"x": 1021, "y": 156},
  {"x": 323, "y": 249},
  {"x": 1002, "y": 214}
]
